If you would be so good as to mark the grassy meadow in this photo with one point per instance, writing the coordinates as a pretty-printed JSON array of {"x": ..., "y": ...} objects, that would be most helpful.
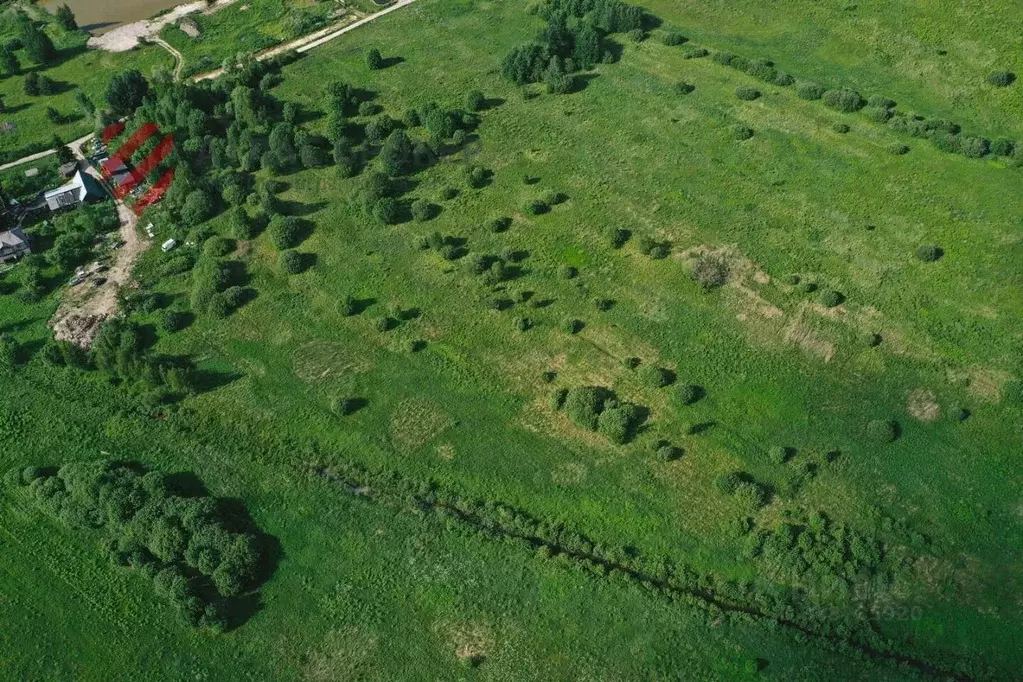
[{"x": 458, "y": 396}]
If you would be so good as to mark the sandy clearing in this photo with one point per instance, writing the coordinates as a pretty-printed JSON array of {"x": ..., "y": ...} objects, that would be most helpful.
[{"x": 124, "y": 38}]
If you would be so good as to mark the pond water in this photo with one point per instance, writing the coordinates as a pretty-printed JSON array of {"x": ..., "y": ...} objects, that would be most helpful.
[{"x": 99, "y": 16}]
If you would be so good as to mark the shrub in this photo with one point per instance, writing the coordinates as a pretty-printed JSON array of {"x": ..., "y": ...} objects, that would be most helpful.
[
  {"x": 284, "y": 232},
  {"x": 348, "y": 306},
  {"x": 747, "y": 93},
  {"x": 690, "y": 52},
  {"x": 173, "y": 321},
  {"x": 655, "y": 377},
  {"x": 778, "y": 454},
  {"x": 878, "y": 114},
  {"x": 666, "y": 452},
  {"x": 422, "y": 210},
  {"x": 808, "y": 287},
  {"x": 684, "y": 88},
  {"x": 523, "y": 324},
  {"x": 830, "y": 298},
  {"x": 975, "y": 147},
  {"x": 840, "y": 128},
  {"x": 792, "y": 280},
  {"x": 386, "y": 323},
  {"x": 374, "y": 60},
  {"x": 928, "y": 253},
  {"x": 881, "y": 102},
  {"x": 343, "y": 406},
  {"x": 1003, "y": 147},
  {"x": 476, "y": 176},
  {"x": 783, "y": 79},
  {"x": 536, "y": 207},
  {"x": 844, "y": 100},
  {"x": 709, "y": 272},
  {"x": 741, "y": 132},
  {"x": 1001, "y": 79},
  {"x": 499, "y": 224},
  {"x": 475, "y": 101},
  {"x": 616, "y": 423},
  {"x": 573, "y": 326},
  {"x": 750, "y": 496},
  {"x": 672, "y": 38},
  {"x": 873, "y": 340},
  {"x": 604, "y": 304},
  {"x": 897, "y": 149},
  {"x": 583, "y": 405},
  {"x": 637, "y": 35},
  {"x": 959, "y": 414},
  {"x": 882, "y": 431},
  {"x": 387, "y": 210},
  {"x": 689, "y": 394},
  {"x": 617, "y": 237},
  {"x": 552, "y": 198},
  {"x": 810, "y": 91},
  {"x": 567, "y": 272},
  {"x": 290, "y": 261},
  {"x": 729, "y": 482}
]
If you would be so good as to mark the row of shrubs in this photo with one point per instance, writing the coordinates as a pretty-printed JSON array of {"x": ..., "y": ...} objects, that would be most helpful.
[
  {"x": 839, "y": 626},
  {"x": 945, "y": 135}
]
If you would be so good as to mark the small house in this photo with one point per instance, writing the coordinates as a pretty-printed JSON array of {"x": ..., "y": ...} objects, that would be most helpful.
[
  {"x": 82, "y": 188},
  {"x": 13, "y": 245},
  {"x": 168, "y": 245}
]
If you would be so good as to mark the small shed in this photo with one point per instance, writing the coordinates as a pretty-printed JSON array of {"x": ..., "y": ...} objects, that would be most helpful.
[
  {"x": 13, "y": 245},
  {"x": 168, "y": 245}
]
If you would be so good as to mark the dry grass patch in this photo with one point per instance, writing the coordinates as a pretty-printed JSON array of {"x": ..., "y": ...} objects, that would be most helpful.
[
  {"x": 417, "y": 421},
  {"x": 923, "y": 405}
]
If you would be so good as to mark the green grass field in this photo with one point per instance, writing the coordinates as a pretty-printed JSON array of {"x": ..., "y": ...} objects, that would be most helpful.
[{"x": 368, "y": 590}]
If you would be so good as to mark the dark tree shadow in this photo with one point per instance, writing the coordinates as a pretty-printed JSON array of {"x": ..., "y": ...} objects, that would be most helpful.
[
  {"x": 361, "y": 305},
  {"x": 391, "y": 61},
  {"x": 493, "y": 103}
]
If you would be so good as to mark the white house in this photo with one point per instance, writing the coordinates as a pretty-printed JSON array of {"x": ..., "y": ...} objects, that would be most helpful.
[
  {"x": 74, "y": 193},
  {"x": 13, "y": 245}
]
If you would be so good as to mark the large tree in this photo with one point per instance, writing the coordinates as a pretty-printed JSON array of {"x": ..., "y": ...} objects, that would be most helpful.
[
  {"x": 66, "y": 18},
  {"x": 126, "y": 91},
  {"x": 37, "y": 44}
]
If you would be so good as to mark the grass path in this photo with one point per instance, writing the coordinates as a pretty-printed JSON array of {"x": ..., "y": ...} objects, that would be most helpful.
[{"x": 179, "y": 59}]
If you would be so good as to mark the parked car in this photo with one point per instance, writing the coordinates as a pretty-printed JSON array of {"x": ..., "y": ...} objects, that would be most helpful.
[{"x": 99, "y": 281}]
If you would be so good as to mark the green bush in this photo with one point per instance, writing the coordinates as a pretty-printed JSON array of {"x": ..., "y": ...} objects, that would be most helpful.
[
  {"x": 690, "y": 52},
  {"x": 783, "y": 79},
  {"x": 810, "y": 91},
  {"x": 778, "y": 454},
  {"x": 741, "y": 132},
  {"x": 808, "y": 287},
  {"x": 290, "y": 261},
  {"x": 897, "y": 149},
  {"x": 1003, "y": 147},
  {"x": 1001, "y": 79},
  {"x": 882, "y": 431},
  {"x": 567, "y": 272},
  {"x": 475, "y": 101},
  {"x": 684, "y": 88},
  {"x": 422, "y": 210},
  {"x": 830, "y": 298},
  {"x": 285, "y": 232},
  {"x": 584, "y": 405},
  {"x": 672, "y": 38},
  {"x": 709, "y": 272},
  {"x": 616, "y": 423},
  {"x": 172, "y": 320},
  {"x": 974, "y": 147},
  {"x": 840, "y": 128},
  {"x": 655, "y": 377},
  {"x": 792, "y": 280},
  {"x": 689, "y": 393},
  {"x": 557, "y": 399},
  {"x": 728, "y": 483},
  {"x": 535, "y": 207},
  {"x": 499, "y": 224},
  {"x": 878, "y": 114},
  {"x": 523, "y": 324},
  {"x": 928, "y": 253},
  {"x": 843, "y": 99},
  {"x": 386, "y": 323},
  {"x": 666, "y": 452},
  {"x": 747, "y": 93},
  {"x": 617, "y": 237},
  {"x": 573, "y": 326},
  {"x": 750, "y": 495}
]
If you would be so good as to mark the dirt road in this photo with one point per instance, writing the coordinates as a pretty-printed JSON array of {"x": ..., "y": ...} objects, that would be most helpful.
[{"x": 86, "y": 306}]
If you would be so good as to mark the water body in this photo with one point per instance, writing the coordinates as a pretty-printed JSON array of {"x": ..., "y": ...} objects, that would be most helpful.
[{"x": 100, "y": 16}]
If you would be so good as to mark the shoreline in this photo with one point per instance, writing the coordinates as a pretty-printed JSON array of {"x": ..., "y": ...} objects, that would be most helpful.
[{"x": 129, "y": 36}]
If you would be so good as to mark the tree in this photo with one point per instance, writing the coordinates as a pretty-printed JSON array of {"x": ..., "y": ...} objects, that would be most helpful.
[
  {"x": 374, "y": 60},
  {"x": 64, "y": 153},
  {"x": 37, "y": 44},
  {"x": 396, "y": 154},
  {"x": 85, "y": 104},
  {"x": 10, "y": 62},
  {"x": 282, "y": 144},
  {"x": 387, "y": 210},
  {"x": 475, "y": 101},
  {"x": 290, "y": 261},
  {"x": 126, "y": 92},
  {"x": 589, "y": 48},
  {"x": 66, "y": 18},
  {"x": 929, "y": 253},
  {"x": 285, "y": 232},
  {"x": 199, "y": 206}
]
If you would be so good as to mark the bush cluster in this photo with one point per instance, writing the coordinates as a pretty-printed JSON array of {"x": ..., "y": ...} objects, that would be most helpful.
[
  {"x": 598, "y": 409},
  {"x": 198, "y": 556}
]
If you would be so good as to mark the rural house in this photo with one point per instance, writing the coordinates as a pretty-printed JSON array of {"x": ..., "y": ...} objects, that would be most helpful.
[
  {"x": 81, "y": 188},
  {"x": 13, "y": 245}
]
